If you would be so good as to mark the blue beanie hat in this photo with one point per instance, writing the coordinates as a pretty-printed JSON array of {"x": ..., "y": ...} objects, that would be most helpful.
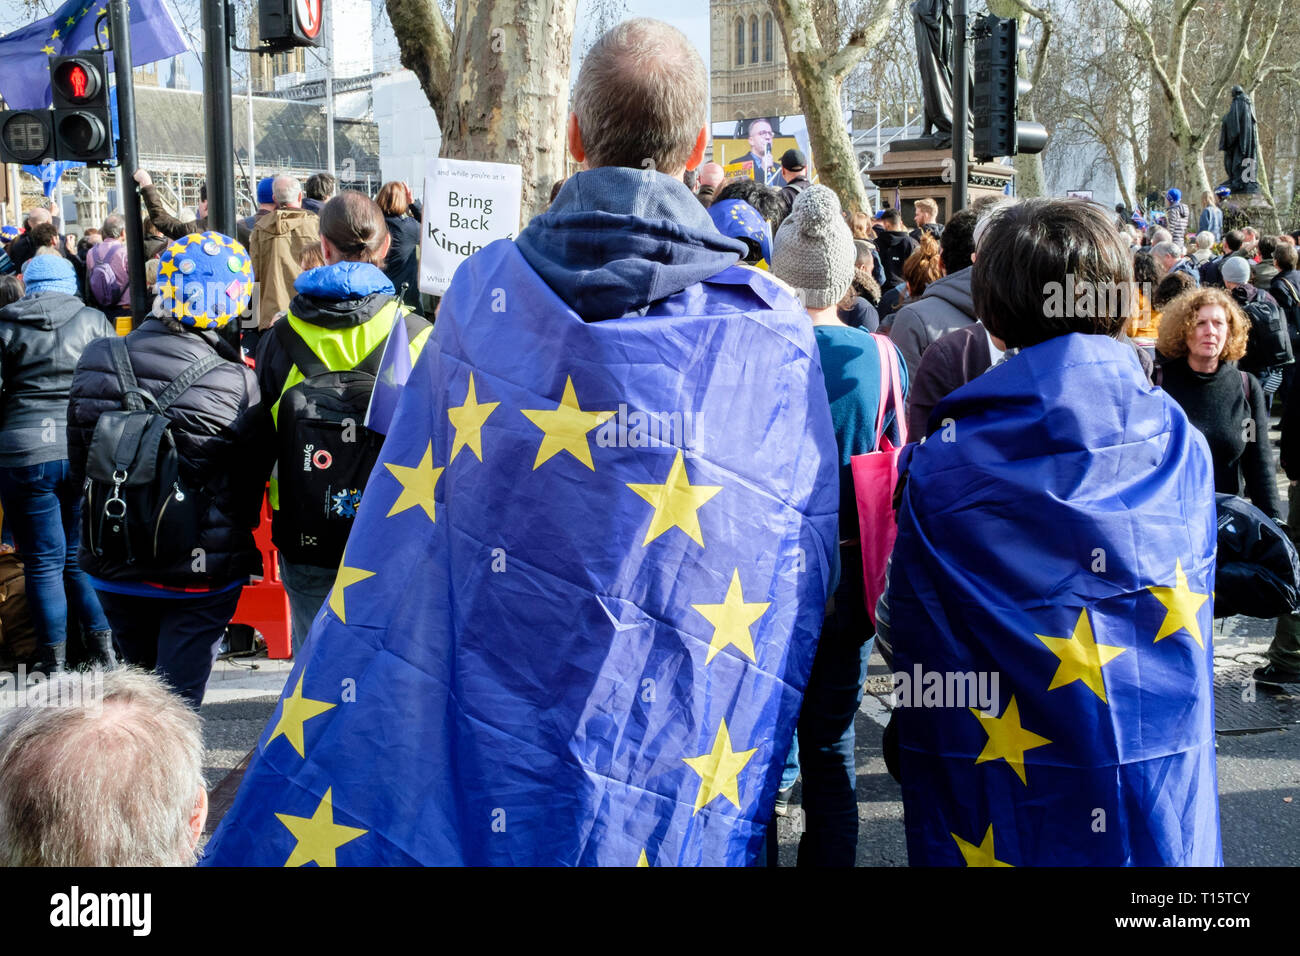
[
  {"x": 8, "y": 233},
  {"x": 1174, "y": 195},
  {"x": 49, "y": 273},
  {"x": 265, "y": 194},
  {"x": 204, "y": 280}
]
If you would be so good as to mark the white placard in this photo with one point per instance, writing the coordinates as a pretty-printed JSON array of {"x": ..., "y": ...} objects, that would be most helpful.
[{"x": 466, "y": 206}]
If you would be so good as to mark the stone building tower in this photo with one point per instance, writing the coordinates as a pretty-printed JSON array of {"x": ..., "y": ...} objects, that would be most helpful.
[{"x": 750, "y": 75}]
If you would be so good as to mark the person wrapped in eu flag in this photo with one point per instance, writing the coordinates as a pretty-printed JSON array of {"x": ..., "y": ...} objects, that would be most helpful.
[
  {"x": 580, "y": 603},
  {"x": 1056, "y": 544}
]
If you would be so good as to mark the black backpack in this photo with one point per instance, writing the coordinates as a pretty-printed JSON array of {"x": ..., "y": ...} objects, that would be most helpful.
[
  {"x": 325, "y": 453},
  {"x": 1269, "y": 344},
  {"x": 136, "y": 509}
]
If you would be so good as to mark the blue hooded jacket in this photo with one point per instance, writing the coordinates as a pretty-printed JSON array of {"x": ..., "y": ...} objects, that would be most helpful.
[{"x": 616, "y": 240}]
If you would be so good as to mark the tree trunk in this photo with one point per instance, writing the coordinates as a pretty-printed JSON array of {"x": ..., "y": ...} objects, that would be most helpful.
[{"x": 499, "y": 83}]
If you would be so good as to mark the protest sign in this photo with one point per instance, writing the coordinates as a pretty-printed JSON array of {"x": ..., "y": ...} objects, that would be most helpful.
[{"x": 466, "y": 206}]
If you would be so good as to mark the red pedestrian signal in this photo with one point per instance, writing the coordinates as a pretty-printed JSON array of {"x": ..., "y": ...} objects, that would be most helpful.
[{"x": 83, "y": 121}]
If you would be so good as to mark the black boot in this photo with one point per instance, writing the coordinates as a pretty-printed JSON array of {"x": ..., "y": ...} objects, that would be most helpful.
[
  {"x": 100, "y": 646},
  {"x": 53, "y": 659}
]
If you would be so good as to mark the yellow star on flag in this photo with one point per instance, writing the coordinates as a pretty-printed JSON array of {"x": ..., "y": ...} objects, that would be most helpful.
[
  {"x": 641, "y": 860},
  {"x": 731, "y": 620},
  {"x": 346, "y": 578},
  {"x": 676, "y": 502},
  {"x": 1181, "y": 604},
  {"x": 468, "y": 421},
  {"x": 47, "y": 49},
  {"x": 166, "y": 269},
  {"x": 981, "y": 855},
  {"x": 318, "y": 836},
  {"x": 55, "y": 34},
  {"x": 1007, "y": 739},
  {"x": 69, "y": 22},
  {"x": 1082, "y": 658},
  {"x": 417, "y": 484},
  {"x": 565, "y": 428},
  {"x": 296, "y": 711},
  {"x": 718, "y": 770}
]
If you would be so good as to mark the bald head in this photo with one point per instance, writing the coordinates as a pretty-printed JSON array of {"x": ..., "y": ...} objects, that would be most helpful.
[
  {"x": 287, "y": 192},
  {"x": 37, "y": 216},
  {"x": 640, "y": 100}
]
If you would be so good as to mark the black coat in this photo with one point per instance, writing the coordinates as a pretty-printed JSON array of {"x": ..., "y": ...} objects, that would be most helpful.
[
  {"x": 403, "y": 263},
  {"x": 219, "y": 430},
  {"x": 42, "y": 337}
]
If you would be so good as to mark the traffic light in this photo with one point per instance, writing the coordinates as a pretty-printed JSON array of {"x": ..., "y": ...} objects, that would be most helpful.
[
  {"x": 26, "y": 137},
  {"x": 997, "y": 89},
  {"x": 285, "y": 24},
  {"x": 83, "y": 119}
]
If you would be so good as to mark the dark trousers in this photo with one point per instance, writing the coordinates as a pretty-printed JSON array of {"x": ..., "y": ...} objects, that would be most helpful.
[
  {"x": 43, "y": 508},
  {"x": 179, "y": 638}
]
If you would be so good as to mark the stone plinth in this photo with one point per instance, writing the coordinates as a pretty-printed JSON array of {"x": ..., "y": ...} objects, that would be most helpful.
[{"x": 917, "y": 173}]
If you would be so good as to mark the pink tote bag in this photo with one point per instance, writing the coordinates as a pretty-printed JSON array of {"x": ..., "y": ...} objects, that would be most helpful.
[{"x": 875, "y": 475}]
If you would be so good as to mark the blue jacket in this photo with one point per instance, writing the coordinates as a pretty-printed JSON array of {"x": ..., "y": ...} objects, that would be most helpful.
[{"x": 1211, "y": 221}]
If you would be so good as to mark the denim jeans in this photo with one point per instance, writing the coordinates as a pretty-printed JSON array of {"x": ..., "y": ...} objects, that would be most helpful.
[
  {"x": 308, "y": 587},
  {"x": 178, "y": 638},
  {"x": 43, "y": 508}
]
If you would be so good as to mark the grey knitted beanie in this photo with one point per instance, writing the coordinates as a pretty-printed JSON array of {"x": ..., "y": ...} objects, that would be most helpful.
[{"x": 814, "y": 249}]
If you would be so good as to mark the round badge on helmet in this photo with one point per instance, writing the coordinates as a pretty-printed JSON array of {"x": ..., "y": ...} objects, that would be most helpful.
[
  {"x": 187, "y": 266},
  {"x": 211, "y": 247}
]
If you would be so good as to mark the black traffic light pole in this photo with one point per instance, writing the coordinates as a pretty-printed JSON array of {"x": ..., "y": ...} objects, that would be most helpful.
[
  {"x": 960, "y": 107},
  {"x": 119, "y": 25},
  {"x": 216, "y": 119}
]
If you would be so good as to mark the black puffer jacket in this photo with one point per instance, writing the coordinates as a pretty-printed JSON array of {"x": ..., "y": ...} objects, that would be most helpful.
[
  {"x": 403, "y": 263},
  {"x": 42, "y": 337},
  {"x": 218, "y": 428}
]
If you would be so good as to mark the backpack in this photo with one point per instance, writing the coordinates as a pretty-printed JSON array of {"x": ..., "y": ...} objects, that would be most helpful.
[
  {"x": 324, "y": 452},
  {"x": 1269, "y": 344},
  {"x": 136, "y": 509},
  {"x": 105, "y": 281}
]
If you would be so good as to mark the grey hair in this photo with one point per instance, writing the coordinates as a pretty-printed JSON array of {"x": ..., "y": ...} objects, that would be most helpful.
[
  {"x": 112, "y": 781},
  {"x": 641, "y": 97},
  {"x": 113, "y": 227},
  {"x": 1204, "y": 239},
  {"x": 1166, "y": 249},
  {"x": 285, "y": 190},
  {"x": 1160, "y": 234}
]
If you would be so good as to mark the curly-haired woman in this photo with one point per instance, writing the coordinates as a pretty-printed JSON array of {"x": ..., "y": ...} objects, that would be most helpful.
[{"x": 1202, "y": 334}]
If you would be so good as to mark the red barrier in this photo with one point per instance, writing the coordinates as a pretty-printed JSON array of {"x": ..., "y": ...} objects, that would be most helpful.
[{"x": 263, "y": 604}]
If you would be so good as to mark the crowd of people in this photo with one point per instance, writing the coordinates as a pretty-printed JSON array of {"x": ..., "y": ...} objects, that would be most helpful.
[{"x": 1054, "y": 411}]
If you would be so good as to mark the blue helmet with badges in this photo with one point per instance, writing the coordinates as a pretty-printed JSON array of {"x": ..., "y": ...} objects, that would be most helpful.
[{"x": 205, "y": 279}]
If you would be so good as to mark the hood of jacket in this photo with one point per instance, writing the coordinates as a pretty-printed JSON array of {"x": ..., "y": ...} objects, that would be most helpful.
[
  {"x": 43, "y": 310},
  {"x": 887, "y": 239},
  {"x": 616, "y": 240},
  {"x": 953, "y": 289},
  {"x": 340, "y": 295},
  {"x": 283, "y": 222}
]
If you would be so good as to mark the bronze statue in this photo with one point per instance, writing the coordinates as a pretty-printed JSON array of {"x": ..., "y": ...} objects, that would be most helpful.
[
  {"x": 1239, "y": 140},
  {"x": 932, "y": 21}
]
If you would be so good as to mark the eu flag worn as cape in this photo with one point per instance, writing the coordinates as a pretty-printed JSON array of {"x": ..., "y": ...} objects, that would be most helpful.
[
  {"x": 24, "y": 53},
  {"x": 1057, "y": 534},
  {"x": 580, "y": 601}
]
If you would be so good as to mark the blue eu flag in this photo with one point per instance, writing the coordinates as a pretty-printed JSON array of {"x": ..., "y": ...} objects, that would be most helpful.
[
  {"x": 581, "y": 599},
  {"x": 1050, "y": 611},
  {"x": 24, "y": 53}
]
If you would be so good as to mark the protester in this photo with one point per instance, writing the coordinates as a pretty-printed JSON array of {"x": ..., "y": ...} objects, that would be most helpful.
[
  {"x": 769, "y": 202},
  {"x": 517, "y": 688},
  {"x": 1232, "y": 247},
  {"x": 895, "y": 245},
  {"x": 864, "y": 234},
  {"x": 42, "y": 335},
  {"x": 922, "y": 267},
  {"x": 1060, "y": 445},
  {"x": 319, "y": 189},
  {"x": 168, "y": 225},
  {"x": 793, "y": 166},
  {"x": 858, "y": 307},
  {"x": 1203, "y": 253},
  {"x": 265, "y": 204},
  {"x": 169, "y": 607},
  {"x": 711, "y": 176},
  {"x": 1145, "y": 323},
  {"x": 1211, "y": 219},
  {"x": 338, "y": 321},
  {"x": 1177, "y": 215},
  {"x": 1262, "y": 313},
  {"x": 1202, "y": 337},
  {"x": 113, "y": 777},
  {"x": 741, "y": 221},
  {"x": 815, "y": 255},
  {"x": 925, "y": 213},
  {"x": 108, "y": 281},
  {"x": 946, "y": 303},
  {"x": 1263, "y": 272},
  {"x": 403, "y": 215},
  {"x": 23, "y": 247},
  {"x": 1168, "y": 257},
  {"x": 1170, "y": 287},
  {"x": 1283, "y": 653},
  {"x": 11, "y": 290},
  {"x": 279, "y": 240},
  {"x": 154, "y": 241}
]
